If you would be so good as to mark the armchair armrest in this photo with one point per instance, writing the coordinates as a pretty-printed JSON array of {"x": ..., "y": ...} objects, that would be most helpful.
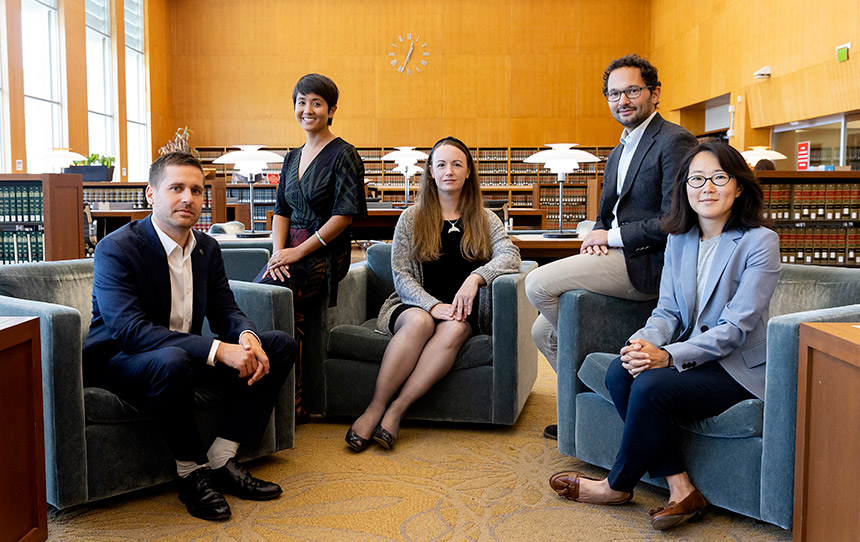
[
  {"x": 244, "y": 263},
  {"x": 589, "y": 322},
  {"x": 271, "y": 307},
  {"x": 351, "y": 299},
  {"x": 514, "y": 353},
  {"x": 780, "y": 408},
  {"x": 62, "y": 397}
]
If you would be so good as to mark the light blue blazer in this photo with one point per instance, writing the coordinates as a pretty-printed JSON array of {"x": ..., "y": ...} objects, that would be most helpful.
[{"x": 734, "y": 311}]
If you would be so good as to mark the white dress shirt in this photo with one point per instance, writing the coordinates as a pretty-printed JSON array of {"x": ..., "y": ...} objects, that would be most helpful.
[
  {"x": 630, "y": 140},
  {"x": 182, "y": 285}
]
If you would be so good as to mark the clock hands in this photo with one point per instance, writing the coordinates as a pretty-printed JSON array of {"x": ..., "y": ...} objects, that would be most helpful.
[{"x": 408, "y": 56}]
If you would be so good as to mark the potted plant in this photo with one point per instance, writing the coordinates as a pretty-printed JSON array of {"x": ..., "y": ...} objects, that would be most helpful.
[{"x": 95, "y": 168}]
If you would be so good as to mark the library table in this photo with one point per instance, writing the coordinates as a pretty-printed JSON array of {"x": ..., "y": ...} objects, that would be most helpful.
[
  {"x": 534, "y": 246},
  {"x": 826, "y": 469},
  {"x": 23, "y": 504}
]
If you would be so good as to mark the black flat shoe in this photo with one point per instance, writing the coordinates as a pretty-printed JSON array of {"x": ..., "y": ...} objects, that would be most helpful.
[
  {"x": 384, "y": 438},
  {"x": 356, "y": 442}
]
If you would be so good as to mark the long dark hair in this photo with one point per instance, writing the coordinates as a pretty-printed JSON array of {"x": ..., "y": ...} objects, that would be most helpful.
[
  {"x": 475, "y": 245},
  {"x": 748, "y": 208}
]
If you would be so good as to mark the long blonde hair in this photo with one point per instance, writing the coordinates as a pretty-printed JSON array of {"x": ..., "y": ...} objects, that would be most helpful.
[{"x": 475, "y": 245}]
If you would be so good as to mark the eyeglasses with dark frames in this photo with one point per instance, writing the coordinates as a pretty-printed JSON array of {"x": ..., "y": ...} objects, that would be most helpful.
[
  {"x": 718, "y": 179},
  {"x": 631, "y": 92}
]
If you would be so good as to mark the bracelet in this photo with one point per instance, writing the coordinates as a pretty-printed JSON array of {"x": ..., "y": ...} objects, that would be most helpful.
[{"x": 320, "y": 239}]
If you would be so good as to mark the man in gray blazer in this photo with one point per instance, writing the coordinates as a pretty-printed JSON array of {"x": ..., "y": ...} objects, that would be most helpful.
[{"x": 623, "y": 255}]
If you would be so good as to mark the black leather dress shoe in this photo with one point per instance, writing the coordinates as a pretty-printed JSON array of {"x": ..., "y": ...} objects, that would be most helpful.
[
  {"x": 203, "y": 502},
  {"x": 234, "y": 479},
  {"x": 551, "y": 431}
]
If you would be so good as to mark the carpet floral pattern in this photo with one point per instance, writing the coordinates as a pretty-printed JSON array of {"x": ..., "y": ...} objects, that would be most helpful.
[{"x": 440, "y": 482}]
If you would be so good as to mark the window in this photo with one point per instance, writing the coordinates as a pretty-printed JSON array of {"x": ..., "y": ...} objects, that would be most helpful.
[
  {"x": 99, "y": 78},
  {"x": 42, "y": 105},
  {"x": 833, "y": 142},
  {"x": 139, "y": 155}
]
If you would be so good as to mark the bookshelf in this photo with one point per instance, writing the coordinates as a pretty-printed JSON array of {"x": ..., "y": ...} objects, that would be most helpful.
[
  {"x": 115, "y": 204},
  {"x": 816, "y": 214},
  {"x": 504, "y": 177},
  {"x": 41, "y": 218}
]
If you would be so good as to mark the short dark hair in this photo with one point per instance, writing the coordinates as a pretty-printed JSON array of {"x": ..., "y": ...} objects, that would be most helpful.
[
  {"x": 156, "y": 170},
  {"x": 764, "y": 165},
  {"x": 648, "y": 71},
  {"x": 317, "y": 84},
  {"x": 748, "y": 208}
]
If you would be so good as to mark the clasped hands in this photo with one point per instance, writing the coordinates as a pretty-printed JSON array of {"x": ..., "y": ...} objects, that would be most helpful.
[
  {"x": 278, "y": 266},
  {"x": 247, "y": 357},
  {"x": 461, "y": 307},
  {"x": 596, "y": 242},
  {"x": 640, "y": 355}
]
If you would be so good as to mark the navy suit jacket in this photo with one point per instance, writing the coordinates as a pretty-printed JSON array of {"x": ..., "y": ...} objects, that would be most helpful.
[
  {"x": 645, "y": 198},
  {"x": 734, "y": 307},
  {"x": 131, "y": 297}
]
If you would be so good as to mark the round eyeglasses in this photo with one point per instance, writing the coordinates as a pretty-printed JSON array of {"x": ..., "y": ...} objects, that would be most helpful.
[
  {"x": 631, "y": 93},
  {"x": 718, "y": 179}
]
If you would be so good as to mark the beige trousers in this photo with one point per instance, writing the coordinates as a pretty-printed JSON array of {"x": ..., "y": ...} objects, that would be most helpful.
[{"x": 604, "y": 274}]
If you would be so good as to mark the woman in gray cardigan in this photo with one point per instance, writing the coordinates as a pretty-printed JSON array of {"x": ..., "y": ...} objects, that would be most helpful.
[{"x": 447, "y": 250}]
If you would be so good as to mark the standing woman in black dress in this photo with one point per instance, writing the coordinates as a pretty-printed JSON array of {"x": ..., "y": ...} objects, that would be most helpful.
[{"x": 321, "y": 191}]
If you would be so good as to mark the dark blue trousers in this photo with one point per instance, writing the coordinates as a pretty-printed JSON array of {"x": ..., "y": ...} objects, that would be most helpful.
[
  {"x": 162, "y": 382},
  {"x": 648, "y": 404}
]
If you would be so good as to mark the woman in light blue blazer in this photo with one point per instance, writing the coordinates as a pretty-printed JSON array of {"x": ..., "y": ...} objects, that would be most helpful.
[{"x": 703, "y": 349}]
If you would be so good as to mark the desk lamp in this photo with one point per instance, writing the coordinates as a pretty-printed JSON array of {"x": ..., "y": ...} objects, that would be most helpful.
[
  {"x": 249, "y": 161},
  {"x": 405, "y": 157},
  {"x": 561, "y": 159},
  {"x": 754, "y": 154},
  {"x": 57, "y": 159}
]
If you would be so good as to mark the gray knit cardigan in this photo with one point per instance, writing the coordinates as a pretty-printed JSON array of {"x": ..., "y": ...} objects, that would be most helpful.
[{"x": 408, "y": 280}]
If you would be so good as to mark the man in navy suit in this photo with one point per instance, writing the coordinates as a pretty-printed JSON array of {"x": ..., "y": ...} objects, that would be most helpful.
[
  {"x": 154, "y": 282},
  {"x": 623, "y": 255}
]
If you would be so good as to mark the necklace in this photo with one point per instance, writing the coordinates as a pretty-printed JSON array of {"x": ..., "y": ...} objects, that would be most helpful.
[{"x": 453, "y": 224}]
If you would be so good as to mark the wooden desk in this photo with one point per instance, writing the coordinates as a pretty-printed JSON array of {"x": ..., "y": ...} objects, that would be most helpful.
[
  {"x": 535, "y": 246},
  {"x": 827, "y": 470},
  {"x": 23, "y": 504}
]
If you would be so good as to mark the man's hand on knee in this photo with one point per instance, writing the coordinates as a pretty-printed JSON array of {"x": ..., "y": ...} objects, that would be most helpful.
[{"x": 247, "y": 358}]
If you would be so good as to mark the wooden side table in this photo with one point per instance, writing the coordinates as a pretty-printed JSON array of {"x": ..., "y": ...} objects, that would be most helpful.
[
  {"x": 23, "y": 505},
  {"x": 827, "y": 460}
]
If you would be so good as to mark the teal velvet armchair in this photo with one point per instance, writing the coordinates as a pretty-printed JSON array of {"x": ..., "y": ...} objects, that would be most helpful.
[
  {"x": 741, "y": 460},
  {"x": 489, "y": 382},
  {"x": 97, "y": 445}
]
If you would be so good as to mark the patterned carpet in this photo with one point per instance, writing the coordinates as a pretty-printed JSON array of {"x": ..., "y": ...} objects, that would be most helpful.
[{"x": 441, "y": 482}]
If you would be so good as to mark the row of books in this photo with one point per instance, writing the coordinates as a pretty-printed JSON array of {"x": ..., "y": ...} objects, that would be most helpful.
[
  {"x": 22, "y": 246},
  {"x": 819, "y": 246},
  {"x": 521, "y": 200},
  {"x": 571, "y": 195},
  {"x": 136, "y": 195},
  {"x": 570, "y": 220},
  {"x": 204, "y": 222},
  {"x": 21, "y": 203},
  {"x": 243, "y": 195},
  {"x": 838, "y": 201}
]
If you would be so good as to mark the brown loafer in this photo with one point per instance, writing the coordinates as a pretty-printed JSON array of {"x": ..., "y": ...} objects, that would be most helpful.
[
  {"x": 566, "y": 484},
  {"x": 693, "y": 507}
]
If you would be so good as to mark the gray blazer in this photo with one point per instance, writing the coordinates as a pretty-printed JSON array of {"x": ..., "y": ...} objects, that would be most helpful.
[
  {"x": 734, "y": 310},
  {"x": 645, "y": 197},
  {"x": 408, "y": 279}
]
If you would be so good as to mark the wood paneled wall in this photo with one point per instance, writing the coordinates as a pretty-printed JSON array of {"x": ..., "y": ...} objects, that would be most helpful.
[
  {"x": 500, "y": 72},
  {"x": 707, "y": 48}
]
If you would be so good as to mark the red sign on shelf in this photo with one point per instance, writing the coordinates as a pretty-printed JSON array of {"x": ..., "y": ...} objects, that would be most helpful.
[{"x": 803, "y": 156}]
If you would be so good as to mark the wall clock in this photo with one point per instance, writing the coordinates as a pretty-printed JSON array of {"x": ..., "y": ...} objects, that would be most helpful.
[{"x": 409, "y": 55}]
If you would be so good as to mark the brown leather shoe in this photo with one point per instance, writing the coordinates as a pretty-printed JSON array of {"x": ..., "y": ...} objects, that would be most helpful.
[
  {"x": 693, "y": 507},
  {"x": 566, "y": 484}
]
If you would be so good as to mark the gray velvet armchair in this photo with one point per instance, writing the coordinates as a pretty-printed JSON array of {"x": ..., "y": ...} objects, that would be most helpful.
[
  {"x": 97, "y": 445},
  {"x": 491, "y": 378},
  {"x": 741, "y": 460}
]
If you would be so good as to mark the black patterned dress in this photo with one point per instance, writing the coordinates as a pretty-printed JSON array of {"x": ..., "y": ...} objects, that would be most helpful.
[{"x": 332, "y": 184}]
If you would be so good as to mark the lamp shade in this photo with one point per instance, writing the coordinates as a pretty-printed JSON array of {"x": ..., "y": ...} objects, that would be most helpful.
[
  {"x": 754, "y": 154},
  {"x": 57, "y": 159},
  {"x": 561, "y": 152},
  {"x": 405, "y": 156},
  {"x": 249, "y": 153}
]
